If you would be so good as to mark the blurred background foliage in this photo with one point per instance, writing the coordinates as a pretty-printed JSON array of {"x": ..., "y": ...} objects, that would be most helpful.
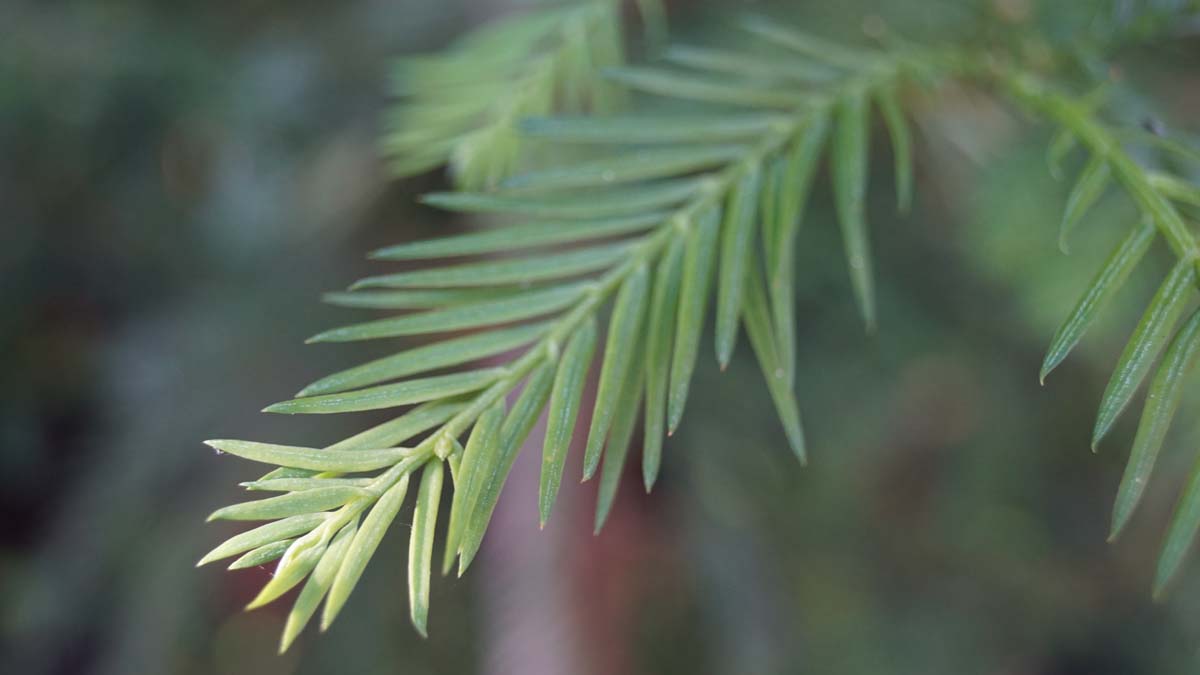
[{"x": 179, "y": 183}]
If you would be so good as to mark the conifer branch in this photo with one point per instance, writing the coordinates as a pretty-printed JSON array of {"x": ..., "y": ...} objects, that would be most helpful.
[{"x": 664, "y": 212}]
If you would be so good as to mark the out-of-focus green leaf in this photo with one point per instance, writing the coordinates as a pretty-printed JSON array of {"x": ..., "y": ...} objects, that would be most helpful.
[
  {"x": 737, "y": 235},
  {"x": 654, "y": 20},
  {"x": 563, "y": 413},
  {"x": 301, "y": 484},
  {"x": 262, "y": 555},
  {"x": 652, "y": 129},
  {"x": 664, "y": 303},
  {"x": 617, "y": 447},
  {"x": 803, "y": 158},
  {"x": 403, "y": 428},
  {"x": 418, "y": 299},
  {"x": 1060, "y": 146},
  {"x": 1108, "y": 281},
  {"x": 455, "y": 462},
  {"x": 316, "y": 459},
  {"x": 480, "y": 454},
  {"x": 1181, "y": 535},
  {"x": 744, "y": 65},
  {"x": 391, "y": 395},
  {"x": 507, "y": 271},
  {"x": 264, "y": 534},
  {"x": 802, "y": 161},
  {"x": 675, "y": 84},
  {"x": 442, "y": 354},
  {"x": 597, "y": 204},
  {"x": 300, "y": 559},
  {"x": 577, "y": 76},
  {"x": 1176, "y": 189},
  {"x": 458, "y": 107},
  {"x": 897, "y": 128},
  {"x": 623, "y": 330},
  {"x": 291, "y": 504},
  {"x": 420, "y": 546},
  {"x": 758, "y": 326},
  {"x": 1162, "y": 401},
  {"x": 317, "y": 585},
  {"x": 284, "y": 472},
  {"x": 516, "y": 428},
  {"x": 1144, "y": 345},
  {"x": 769, "y": 211},
  {"x": 1092, "y": 183},
  {"x": 487, "y": 313},
  {"x": 513, "y": 237},
  {"x": 693, "y": 301},
  {"x": 1179, "y": 149},
  {"x": 362, "y": 546},
  {"x": 809, "y": 45},
  {"x": 627, "y": 167},
  {"x": 607, "y": 51},
  {"x": 849, "y": 188}
]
